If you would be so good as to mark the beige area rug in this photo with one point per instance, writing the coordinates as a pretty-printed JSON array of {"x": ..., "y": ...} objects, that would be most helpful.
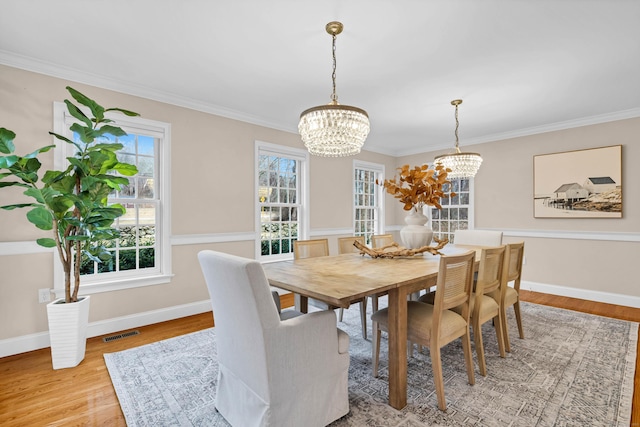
[{"x": 572, "y": 369}]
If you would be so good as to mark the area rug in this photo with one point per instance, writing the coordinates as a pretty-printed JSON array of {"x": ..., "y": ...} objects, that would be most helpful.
[{"x": 572, "y": 369}]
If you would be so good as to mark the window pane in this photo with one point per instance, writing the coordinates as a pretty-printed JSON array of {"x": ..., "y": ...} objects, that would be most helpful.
[{"x": 278, "y": 194}]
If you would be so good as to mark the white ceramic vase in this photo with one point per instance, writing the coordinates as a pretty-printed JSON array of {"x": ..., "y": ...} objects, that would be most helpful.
[
  {"x": 68, "y": 331},
  {"x": 416, "y": 233}
]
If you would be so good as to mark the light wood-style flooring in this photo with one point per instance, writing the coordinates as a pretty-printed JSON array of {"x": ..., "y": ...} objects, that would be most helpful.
[{"x": 33, "y": 394}]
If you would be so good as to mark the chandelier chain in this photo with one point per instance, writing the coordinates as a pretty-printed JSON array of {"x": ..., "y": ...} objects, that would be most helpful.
[
  {"x": 457, "y": 125},
  {"x": 334, "y": 96}
]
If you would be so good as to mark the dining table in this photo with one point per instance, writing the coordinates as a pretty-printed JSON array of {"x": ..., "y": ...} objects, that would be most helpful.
[{"x": 344, "y": 279}]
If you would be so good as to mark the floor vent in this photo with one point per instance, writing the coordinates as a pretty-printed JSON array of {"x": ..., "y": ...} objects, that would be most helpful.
[{"x": 120, "y": 336}]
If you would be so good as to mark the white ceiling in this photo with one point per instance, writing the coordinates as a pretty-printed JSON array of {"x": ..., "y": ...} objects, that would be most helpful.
[{"x": 521, "y": 66}]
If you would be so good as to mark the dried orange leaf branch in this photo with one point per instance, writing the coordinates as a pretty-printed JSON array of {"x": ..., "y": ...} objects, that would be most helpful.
[{"x": 400, "y": 251}]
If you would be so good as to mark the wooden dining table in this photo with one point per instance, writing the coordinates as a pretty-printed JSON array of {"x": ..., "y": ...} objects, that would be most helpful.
[{"x": 343, "y": 279}]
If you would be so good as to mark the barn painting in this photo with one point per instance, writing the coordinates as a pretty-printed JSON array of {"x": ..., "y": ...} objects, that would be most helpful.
[{"x": 578, "y": 184}]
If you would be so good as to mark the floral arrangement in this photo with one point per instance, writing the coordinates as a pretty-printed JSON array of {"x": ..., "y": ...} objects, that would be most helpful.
[{"x": 419, "y": 186}]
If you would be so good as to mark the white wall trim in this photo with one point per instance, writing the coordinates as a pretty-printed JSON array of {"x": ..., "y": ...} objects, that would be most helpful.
[
  {"x": 31, "y": 247},
  {"x": 22, "y": 344},
  {"x": 573, "y": 235},
  {"x": 585, "y": 294}
]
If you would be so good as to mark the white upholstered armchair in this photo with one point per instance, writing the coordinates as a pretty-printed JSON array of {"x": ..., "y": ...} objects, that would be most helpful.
[{"x": 272, "y": 372}]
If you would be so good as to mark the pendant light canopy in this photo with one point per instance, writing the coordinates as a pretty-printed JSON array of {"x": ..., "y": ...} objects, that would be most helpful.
[
  {"x": 334, "y": 130},
  {"x": 462, "y": 165}
]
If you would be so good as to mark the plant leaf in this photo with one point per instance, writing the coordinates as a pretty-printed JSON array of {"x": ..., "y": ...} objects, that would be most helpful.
[
  {"x": 96, "y": 109},
  {"x": 126, "y": 169},
  {"x": 123, "y": 111},
  {"x": 41, "y": 218},
  {"x": 46, "y": 242},
  {"x": 6, "y": 141}
]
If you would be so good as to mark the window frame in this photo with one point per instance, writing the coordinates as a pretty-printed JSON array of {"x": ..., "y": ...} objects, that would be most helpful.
[
  {"x": 379, "y": 170},
  {"x": 470, "y": 211},
  {"x": 302, "y": 156},
  {"x": 161, "y": 273}
]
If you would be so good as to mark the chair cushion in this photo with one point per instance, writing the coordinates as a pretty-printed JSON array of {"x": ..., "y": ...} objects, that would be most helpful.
[
  {"x": 419, "y": 318},
  {"x": 289, "y": 314},
  {"x": 511, "y": 297}
]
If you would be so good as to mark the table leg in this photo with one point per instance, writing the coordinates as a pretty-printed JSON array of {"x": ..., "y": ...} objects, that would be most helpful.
[
  {"x": 301, "y": 303},
  {"x": 397, "y": 348}
]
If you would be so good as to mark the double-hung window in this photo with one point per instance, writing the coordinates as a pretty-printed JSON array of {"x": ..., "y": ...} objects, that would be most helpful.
[
  {"x": 368, "y": 199},
  {"x": 456, "y": 212},
  {"x": 281, "y": 193},
  {"x": 141, "y": 255}
]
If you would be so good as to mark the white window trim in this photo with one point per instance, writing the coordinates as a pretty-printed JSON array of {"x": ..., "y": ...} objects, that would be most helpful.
[
  {"x": 155, "y": 276},
  {"x": 262, "y": 147},
  {"x": 472, "y": 204},
  {"x": 380, "y": 170}
]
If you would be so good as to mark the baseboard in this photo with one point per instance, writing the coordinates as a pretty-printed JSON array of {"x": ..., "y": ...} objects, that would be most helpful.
[
  {"x": 605, "y": 297},
  {"x": 25, "y": 343}
]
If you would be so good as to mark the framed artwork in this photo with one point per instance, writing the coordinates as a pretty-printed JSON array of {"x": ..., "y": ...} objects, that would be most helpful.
[{"x": 578, "y": 184}]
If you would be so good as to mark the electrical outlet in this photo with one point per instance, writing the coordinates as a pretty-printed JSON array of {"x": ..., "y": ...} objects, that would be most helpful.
[
  {"x": 524, "y": 260},
  {"x": 44, "y": 295}
]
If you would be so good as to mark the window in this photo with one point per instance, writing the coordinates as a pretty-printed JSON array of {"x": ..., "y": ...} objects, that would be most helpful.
[
  {"x": 368, "y": 201},
  {"x": 142, "y": 254},
  {"x": 457, "y": 211},
  {"x": 281, "y": 200}
]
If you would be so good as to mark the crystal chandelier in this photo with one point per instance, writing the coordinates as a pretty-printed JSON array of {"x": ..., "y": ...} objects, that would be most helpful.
[
  {"x": 334, "y": 130},
  {"x": 462, "y": 165}
]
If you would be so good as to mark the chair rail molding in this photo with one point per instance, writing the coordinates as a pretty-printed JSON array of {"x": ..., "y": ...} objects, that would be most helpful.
[{"x": 612, "y": 236}]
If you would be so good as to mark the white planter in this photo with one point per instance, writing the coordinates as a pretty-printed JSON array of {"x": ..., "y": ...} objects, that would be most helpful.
[
  {"x": 416, "y": 234},
  {"x": 68, "y": 331}
]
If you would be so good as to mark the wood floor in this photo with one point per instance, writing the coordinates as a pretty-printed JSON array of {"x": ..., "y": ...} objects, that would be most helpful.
[{"x": 33, "y": 394}]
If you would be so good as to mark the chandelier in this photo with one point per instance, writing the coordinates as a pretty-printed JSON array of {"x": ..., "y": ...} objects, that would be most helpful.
[
  {"x": 462, "y": 165},
  {"x": 334, "y": 130}
]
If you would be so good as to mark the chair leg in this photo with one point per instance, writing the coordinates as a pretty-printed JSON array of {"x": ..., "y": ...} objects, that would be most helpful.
[
  {"x": 516, "y": 308},
  {"x": 468, "y": 357},
  {"x": 436, "y": 365},
  {"x": 363, "y": 317},
  {"x": 497, "y": 323},
  {"x": 505, "y": 330},
  {"x": 477, "y": 338},
  {"x": 340, "y": 314},
  {"x": 375, "y": 347}
]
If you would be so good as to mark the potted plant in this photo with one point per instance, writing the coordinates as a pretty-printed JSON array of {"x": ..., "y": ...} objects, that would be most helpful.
[
  {"x": 415, "y": 188},
  {"x": 73, "y": 203}
]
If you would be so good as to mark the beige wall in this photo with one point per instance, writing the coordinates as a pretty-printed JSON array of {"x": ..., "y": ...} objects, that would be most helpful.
[
  {"x": 211, "y": 194},
  {"x": 565, "y": 253}
]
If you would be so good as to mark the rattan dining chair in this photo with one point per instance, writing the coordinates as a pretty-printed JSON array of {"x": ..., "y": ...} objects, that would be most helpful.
[
  {"x": 381, "y": 240},
  {"x": 310, "y": 248},
  {"x": 510, "y": 296},
  {"x": 345, "y": 246},
  {"x": 485, "y": 301},
  {"x": 436, "y": 325}
]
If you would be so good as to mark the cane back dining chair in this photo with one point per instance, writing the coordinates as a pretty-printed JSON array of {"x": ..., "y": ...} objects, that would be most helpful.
[
  {"x": 510, "y": 296},
  {"x": 381, "y": 240},
  {"x": 437, "y": 325},
  {"x": 345, "y": 246}
]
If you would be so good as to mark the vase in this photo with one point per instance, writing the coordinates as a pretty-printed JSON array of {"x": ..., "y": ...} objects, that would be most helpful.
[
  {"x": 416, "y": 234},
  {"x": 68, "y": 331}
]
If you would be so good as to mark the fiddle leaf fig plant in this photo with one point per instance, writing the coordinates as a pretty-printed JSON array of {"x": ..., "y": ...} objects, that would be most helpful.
[{"x": 73, "y": 202}]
